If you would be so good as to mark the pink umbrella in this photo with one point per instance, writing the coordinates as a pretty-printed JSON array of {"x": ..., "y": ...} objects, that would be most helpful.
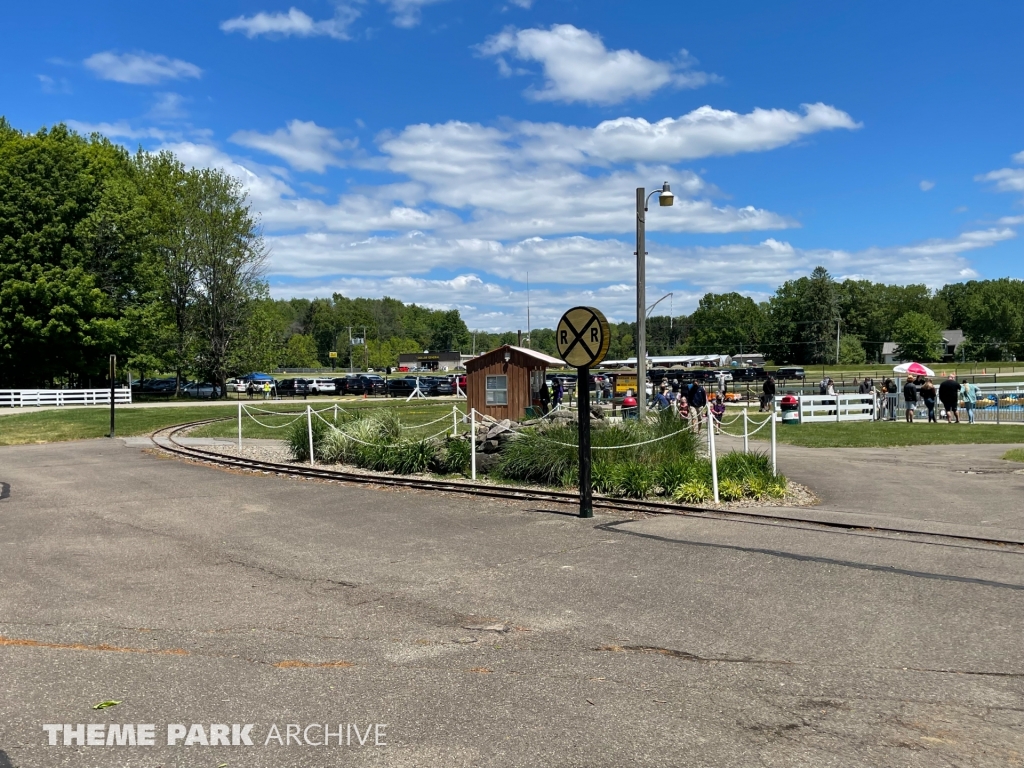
[{"x": 914, "y": 368}]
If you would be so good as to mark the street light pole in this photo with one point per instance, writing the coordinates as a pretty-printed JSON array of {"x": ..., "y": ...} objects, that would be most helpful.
[
  {"x": 641, "y": 302},
  {"x": 666, "y": 198}
]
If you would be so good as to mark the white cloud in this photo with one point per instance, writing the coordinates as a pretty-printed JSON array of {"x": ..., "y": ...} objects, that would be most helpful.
[
  {"x": 408, "y": 13},
  {"x": 926, "y": 186},
  {"x": 140, "y": 68},
  {"x": 489, "y": 290},
  {"x": 305, "y": 146},
  {"x": 526, "y": 4},
  {"x": 52, "y": 85},
  {"x": 578, "y": 67},
  {"x": 168, "y": 106},
  {"x": 294, "y": 22},
  {"x": 1006, "y": 179},
  {"x": 704, "y": 132},
  {"x": 122, "y": 129}
]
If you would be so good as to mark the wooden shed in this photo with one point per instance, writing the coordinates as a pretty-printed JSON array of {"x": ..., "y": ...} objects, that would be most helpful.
[{"x": 503, "y": 382}]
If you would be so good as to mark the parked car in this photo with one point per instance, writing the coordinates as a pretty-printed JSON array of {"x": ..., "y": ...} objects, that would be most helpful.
[
  {"x": 717, "y": 374},
  {"x": 755, "y": 373},
  {"x": 157, "y": 386},
  {"x": 321, "y": 386},
  {"x": 401, "y": 387},
  {"x": 364, "y": 384},
  {"x": 791, "y": 372},
  {"x": 458, "y": 379},
  {"x": 236, "y": 385},
  {"x": 293, "y": 387},
  {"x": 434, "y": 386},
  {"x": 200, "y": 389}
]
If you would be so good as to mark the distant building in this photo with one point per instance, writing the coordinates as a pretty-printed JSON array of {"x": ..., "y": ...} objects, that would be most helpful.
[
  {"x": 952, "y": 340},
  {"x": 434, "y": 361},
  {"x": 666, "y": 361}
]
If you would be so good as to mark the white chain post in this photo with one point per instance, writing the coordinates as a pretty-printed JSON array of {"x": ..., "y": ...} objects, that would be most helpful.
[
  {"x": 455, "y": 420},
  {"x": 714, "y": 458},
  {"x": 309, "y": 425},
  {"x": 774, "y": 467},
  {"x": 472, "y": 443},
  {"x": 239, "y": 425},
  {"x": 746, "y": 442}
]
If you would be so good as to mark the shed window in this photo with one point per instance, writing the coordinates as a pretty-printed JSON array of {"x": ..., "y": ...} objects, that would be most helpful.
[{"x": 497, "y": 390}]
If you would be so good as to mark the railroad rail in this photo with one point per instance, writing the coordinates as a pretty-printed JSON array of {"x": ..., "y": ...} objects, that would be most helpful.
[{"x": 519, "y": 493}]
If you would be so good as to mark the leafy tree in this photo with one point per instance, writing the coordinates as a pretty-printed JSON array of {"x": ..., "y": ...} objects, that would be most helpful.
[
  {"x": 851, "y": 351},
  {"x": 230, "y": 261},
  {"x": 918, "y": 337},
  {"x": 725, "y": 324},
  {"x": 300, "y": 352}
]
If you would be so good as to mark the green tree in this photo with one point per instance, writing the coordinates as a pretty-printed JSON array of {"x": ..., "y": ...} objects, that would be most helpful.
[
  {"x": 300, "y": 352},
  {"x": 917, "y": 337},
  {"x": 724, "y": 324},
  {"x": 851, "y": 351},
  {"x": 66, "y": 271}
]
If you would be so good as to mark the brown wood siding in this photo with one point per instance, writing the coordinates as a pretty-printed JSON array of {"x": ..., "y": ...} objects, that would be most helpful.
[{"x": 493, "y": 364}]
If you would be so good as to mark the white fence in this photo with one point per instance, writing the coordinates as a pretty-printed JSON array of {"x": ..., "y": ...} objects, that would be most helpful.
[
  {"x": 840, "y": 407},
  {"x": 19, "y": 398}
]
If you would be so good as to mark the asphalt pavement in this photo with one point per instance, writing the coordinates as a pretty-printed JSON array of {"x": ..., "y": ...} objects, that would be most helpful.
[{"x": 490, "y": 633}]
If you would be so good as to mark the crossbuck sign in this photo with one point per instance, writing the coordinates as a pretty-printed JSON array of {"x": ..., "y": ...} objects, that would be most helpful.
[{"x": 582, "y": 337}]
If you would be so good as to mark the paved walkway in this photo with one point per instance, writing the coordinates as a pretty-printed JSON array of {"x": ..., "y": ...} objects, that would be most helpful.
[
  {"x": 485, "y": 632},
  {"x": 946, "y": 488}
]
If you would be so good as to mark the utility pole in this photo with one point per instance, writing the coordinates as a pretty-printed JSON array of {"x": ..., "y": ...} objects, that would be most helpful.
[
  {"x": 529, "y": 336},
  {"x": 641, "y": 302},
  {"x": 350, "y": 349},
  {"x": 366, "y": 351},
  {"x": 837, "y": 342}
]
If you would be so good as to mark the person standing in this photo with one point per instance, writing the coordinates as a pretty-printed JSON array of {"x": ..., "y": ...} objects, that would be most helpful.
[
  {"x": 717, "y": 412},
  {"x": 559, "y": 392},
  {"x": 698, "y": 399},
  {"x": 545, "y": 398},
  {"x": 910, "y": 398},
  {"x": 949, "y": 396},
  {"x": 768, "y": 395},
  {"x": 970, "y": 399},
  {"x": 928, "y": 395},
  {"x": 830, "y": 391}
]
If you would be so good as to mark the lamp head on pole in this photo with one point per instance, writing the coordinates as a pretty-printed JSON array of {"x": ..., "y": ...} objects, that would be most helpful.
[{"x": 666, "y": 197}]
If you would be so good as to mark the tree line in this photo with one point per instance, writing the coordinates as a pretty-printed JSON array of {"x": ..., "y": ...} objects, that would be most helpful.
[{"x": 104, "y": 252}]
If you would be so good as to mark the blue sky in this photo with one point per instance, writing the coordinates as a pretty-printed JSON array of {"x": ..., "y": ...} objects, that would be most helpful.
[{"x": 438, "y": 150}]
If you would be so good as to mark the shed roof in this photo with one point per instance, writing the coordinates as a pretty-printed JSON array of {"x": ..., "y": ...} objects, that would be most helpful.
[{"x": 539, "y": 356}]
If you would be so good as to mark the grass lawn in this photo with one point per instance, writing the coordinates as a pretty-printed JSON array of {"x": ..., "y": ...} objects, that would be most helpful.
[
  {"x": 888, "y": 434},
  {"x": 84, "y": 423},
  {"x": 1017, "y": 454}
]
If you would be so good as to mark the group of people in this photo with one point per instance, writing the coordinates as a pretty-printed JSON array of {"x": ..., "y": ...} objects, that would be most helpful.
[
  {"x": 687, "y": 401},
  {"x": 948, "y": 393}
]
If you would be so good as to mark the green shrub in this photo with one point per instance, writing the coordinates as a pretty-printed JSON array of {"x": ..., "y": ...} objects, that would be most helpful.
[
  {"x": 298, "y": 439},
  {"x": 604, "y": 477},
  {"x": 693, "y": 491},
  {"x": 636, "y": 480},
  {"x": 730, "y": 490},
  {"x": 412, "y": 458},
  {"x": 453, "y": 458}
]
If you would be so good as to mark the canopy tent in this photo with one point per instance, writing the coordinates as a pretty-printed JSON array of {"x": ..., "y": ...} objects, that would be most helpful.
[
  {"x": 257, "y": 377},
  {"x": 915, "y": 369}
]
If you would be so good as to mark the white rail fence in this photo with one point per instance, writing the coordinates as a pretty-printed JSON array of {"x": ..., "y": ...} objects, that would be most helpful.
[
  {"x": 21, "y": 398},
  {"x": 841, "y": 407}
]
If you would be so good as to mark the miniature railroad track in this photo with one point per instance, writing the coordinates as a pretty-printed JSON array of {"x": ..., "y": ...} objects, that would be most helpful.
[{"x": 171, "y": 446}]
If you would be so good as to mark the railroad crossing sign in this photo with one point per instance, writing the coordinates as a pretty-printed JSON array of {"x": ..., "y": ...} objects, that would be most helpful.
[{"x": 582, "y": 337}]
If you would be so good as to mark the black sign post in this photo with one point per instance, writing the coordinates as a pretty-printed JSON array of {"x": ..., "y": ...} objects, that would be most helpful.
[
  {"x": 582, "y": 338},
  {"x": 583, "y": 415}
]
